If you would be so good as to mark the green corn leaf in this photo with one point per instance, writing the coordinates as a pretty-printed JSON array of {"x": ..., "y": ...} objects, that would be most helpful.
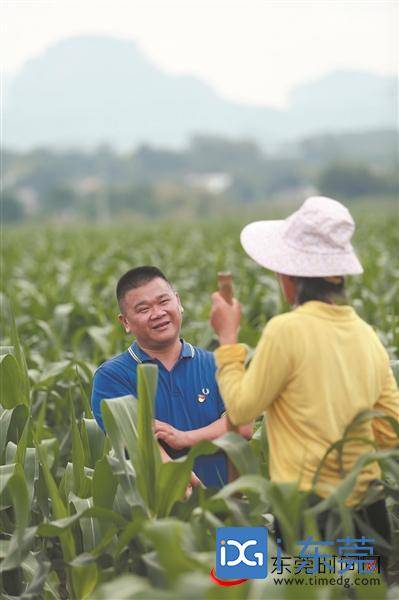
[
  {"x": 18, "y": 548},
  {"x": 341, "y": 492},
  {"x": 100, "y": 336},
  {"x": 254, "y": 484},
  {"x": 174, "y": 476},
  {"x": 129, "y": 587},
  {"x": 93, "y": 440},
  {"x": 50, "y": 451},
  {"x": 104, "y": 484},
  {"x": 172, "y": 481},
  {"x": 41, "y": 581},
  {"x": 58, "y": 507},
  {"x": 119, "y": 420},
  {"x": 239, "y": 452},
  {"x": 41, "y": 418},
  {"x": 23, "y": 443},
  {"x": 11, "y": 453},
  {"x": 11, "y": 389},
  {"x": 82, "y": 486},
  {"x": 338, "y": 446},
  {"x": 84, "y": 580},
  {"x": 5, "y": 420},
  {"x": 57, "y": 526},
  {"x": 6, "y": 472},
  {"x": 107, "y": 541},
  {"x": 19, "y": 354},
  {"x": 287, "y": 504},
  {"x": 85, "y": 397},
  {"x": 23, "y": 537},
  {"x": 5, "y": 349},
  {"x": 91, "y": 532},
  {"x": 127, "y": 498},
  {"x": 368, "y": 415},
  {"x": 166, "y": 534},
  {"x": 67, "y": 482},
  {"x": 19, "y": 493},
  {"x": 139, "y": 518},
  {"x": 53, "y": 372},
  {"x": 147, "y": 459},
  {"x": 17, "y": 423},
  {"x": 31, "y": 470}
]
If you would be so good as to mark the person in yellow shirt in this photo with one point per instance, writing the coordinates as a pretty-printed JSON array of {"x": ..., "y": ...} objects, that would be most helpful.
[{"x": 314, "y": 368}]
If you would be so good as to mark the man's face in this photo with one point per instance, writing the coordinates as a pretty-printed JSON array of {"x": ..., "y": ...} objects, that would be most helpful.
[{"x": 153, "y": 314}]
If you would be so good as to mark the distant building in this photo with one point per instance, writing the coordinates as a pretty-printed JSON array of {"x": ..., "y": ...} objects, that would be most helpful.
[
  {"x": 88, "y": 185},
  {"x": 28, "y": 197},
  {"x": 213, "y": 183}
]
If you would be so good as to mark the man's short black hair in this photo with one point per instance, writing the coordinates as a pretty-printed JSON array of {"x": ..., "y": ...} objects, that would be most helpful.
[{"x": 135, "y": 278}]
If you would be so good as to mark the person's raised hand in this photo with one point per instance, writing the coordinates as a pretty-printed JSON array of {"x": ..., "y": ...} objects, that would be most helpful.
[{"x": 225, "y": 318}]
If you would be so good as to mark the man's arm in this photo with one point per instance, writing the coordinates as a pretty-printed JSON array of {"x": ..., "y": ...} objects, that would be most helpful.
[
  {"x": 215, "y": 430},
  {"x": 185, "y": 439}
]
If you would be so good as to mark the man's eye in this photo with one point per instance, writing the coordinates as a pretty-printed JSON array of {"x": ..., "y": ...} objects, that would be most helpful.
[
  {"x": 165, "y": 301},
  {"x": 143, "y": 310}
]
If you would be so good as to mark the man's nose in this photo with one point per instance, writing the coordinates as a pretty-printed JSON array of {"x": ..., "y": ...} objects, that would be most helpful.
[{"x": 157, "y": 311}]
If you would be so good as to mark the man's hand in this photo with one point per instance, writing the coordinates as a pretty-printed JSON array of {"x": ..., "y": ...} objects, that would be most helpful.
[
  {"x": 175, "y": 438},
  {"x": 225, "y": 318},
  {"x": 194, "y": 482}
]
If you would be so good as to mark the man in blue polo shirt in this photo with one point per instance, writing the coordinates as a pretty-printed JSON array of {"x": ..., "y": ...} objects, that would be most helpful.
[{"x": 188, "y": 406}]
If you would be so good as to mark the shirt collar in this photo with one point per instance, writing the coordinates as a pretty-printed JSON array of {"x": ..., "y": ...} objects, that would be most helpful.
[
  {"x": 323, "y": 310},
  {"x": 187, "y": 350},
  {"x": 140, "y": 356}
]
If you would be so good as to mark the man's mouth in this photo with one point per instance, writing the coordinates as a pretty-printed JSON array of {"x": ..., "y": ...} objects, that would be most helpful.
[{"x": 161, "y": 326}]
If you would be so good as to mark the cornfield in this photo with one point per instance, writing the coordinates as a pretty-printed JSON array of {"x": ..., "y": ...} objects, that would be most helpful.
[{"x": 80, "y": 517}]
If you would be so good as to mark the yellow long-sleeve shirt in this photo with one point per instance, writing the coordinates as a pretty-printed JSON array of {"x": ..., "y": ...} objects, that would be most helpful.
[{"x": 313, "y": 370}]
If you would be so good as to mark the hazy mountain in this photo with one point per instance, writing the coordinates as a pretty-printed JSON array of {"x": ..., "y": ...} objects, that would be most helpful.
[{"x": 90, "y": 90}]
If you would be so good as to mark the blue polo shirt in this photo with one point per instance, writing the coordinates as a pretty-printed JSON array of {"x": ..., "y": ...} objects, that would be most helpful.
[{"x": 187, "y": 397}]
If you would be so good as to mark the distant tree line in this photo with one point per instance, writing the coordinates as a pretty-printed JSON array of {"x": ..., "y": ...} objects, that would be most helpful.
[{"x": 210, "y": 175}]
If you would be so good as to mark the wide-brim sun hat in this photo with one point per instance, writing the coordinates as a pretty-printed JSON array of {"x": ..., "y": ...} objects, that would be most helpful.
[{"x": 315, "y": 241}]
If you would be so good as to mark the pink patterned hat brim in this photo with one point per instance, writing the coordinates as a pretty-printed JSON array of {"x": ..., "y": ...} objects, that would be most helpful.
[{"x": 263, "y": 241}]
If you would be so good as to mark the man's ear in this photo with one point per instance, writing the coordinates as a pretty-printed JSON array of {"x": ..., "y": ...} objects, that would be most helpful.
[
  {"x": 125, "y": 324},
  {"x": 179, "y": 302}
]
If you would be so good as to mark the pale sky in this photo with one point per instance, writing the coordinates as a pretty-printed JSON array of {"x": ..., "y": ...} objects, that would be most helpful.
[{"x": 249, "y": 51}]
